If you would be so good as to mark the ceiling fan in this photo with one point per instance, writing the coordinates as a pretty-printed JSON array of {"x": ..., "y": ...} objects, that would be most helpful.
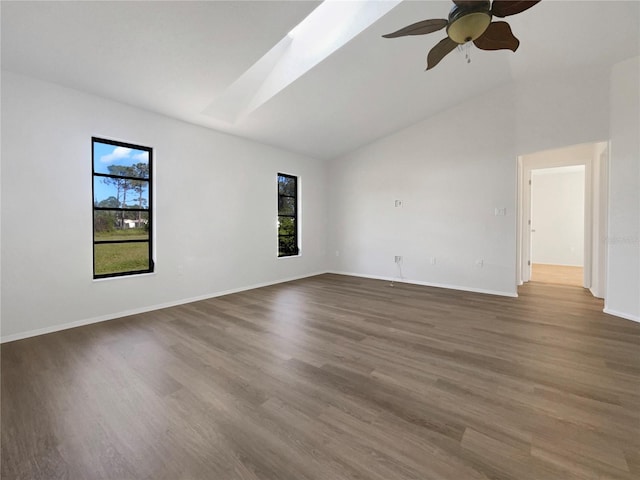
[{"x": 470, "y": 21}]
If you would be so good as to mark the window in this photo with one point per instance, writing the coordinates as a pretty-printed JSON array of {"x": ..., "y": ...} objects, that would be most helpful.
[
  {"x": 122, "y": 228},
  {"x": 287, "y": 215}
]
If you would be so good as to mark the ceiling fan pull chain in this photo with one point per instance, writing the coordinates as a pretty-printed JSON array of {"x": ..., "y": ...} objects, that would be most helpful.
[{"x": 466, "y": 49}]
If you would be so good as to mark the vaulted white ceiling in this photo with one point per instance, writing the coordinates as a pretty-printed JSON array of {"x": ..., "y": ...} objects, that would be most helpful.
[{"x": 178, "y": 58}]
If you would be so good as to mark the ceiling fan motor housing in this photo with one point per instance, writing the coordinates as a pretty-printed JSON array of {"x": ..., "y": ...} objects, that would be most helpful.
[{"x": 466, "y": 23}]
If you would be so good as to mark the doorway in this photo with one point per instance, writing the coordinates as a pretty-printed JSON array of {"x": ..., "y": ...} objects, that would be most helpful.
[
  {"x": 557, "y": 225},
  {"x": 592, "y": 160}
]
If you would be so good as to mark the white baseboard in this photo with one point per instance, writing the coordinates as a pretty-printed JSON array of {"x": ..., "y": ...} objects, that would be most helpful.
[
  {"x": 626, "y": 316},
  {"x": 429, "y": 284},
  {"x": 150, "y": 308}
]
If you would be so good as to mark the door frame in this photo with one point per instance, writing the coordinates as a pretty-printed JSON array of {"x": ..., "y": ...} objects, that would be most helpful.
[{"x": 594, "y": 190}]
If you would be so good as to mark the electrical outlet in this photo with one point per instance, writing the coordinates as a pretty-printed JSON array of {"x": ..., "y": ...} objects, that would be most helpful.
[
  {"x": 480, "y": 262},
  {"x": 398, "y": 259},
  {"x": 432, "y": 260},
  {"x": 398, "y": 203},
  {"x": 500, "y": 212}
]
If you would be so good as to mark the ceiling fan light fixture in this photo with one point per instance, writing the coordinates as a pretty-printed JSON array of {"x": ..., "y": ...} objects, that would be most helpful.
[{"x": 467, "y": 28}]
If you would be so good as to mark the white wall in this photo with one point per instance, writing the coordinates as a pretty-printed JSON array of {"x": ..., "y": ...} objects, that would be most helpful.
[
  {"x": 623, "y": 286},
  {"x": 562, "y": 109},
  {"x": 557, "y": 214},
  {"x": 222, "y": 187},
  {"x": 452, "y": 171}
]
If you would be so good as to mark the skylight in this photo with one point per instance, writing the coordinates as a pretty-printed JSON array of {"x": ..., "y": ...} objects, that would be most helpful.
[{"x": 329, "y": 27}]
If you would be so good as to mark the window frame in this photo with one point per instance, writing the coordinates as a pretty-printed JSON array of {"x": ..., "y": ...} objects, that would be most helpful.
[
  {"x": 295, "y": 216},
  {"x": 148, "y": 210}
]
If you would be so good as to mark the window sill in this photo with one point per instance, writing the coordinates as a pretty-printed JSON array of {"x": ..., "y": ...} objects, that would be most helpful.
[
  {"x": 120, "y": 277},
  {"x": 290, "y": 256}
]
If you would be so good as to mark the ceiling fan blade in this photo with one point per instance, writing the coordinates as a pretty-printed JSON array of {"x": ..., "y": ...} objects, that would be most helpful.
[
  {"x": 497, "y": 36},
  {"x": 419, "y": 28},
  {"x": 504, "y": 8},
  {"x": 438, "y": 52}
]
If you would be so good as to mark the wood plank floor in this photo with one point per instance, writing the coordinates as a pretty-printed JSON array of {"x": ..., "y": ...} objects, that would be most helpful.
[
  {"x": 332, "y": 377},
  {"x": 561, "y": 274}
]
